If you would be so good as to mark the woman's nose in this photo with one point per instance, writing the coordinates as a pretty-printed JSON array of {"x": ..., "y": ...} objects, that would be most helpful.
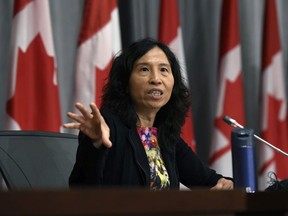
[{"x": 155, "y": 78}]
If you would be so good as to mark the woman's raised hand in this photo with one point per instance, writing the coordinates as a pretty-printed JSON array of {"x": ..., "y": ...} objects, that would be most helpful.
[{"x": 90, "y": 123}]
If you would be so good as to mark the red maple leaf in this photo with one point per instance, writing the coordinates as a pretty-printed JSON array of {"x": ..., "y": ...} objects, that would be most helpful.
[
  {"x": 234, "y": 107},
  {"x": 35, "y": 104}
]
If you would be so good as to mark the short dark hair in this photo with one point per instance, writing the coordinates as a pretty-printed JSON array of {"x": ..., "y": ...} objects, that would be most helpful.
[{"x": 116, "y": 97}]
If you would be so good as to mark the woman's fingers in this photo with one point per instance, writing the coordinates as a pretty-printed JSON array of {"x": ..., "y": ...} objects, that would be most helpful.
[
  {"x": 90, "y": 123},
  {"x": 86, "y": 114},
  {"x": 107, "y": 143},
  {"x": 95, "y": 112},
  {"x": 223, "y": 184},
  {"x": 80, "y": 118},
  {"x": 85, "y": 118},
  {"x": 75, "y": 117},
  {"x": 93, "y": 107},
  {"x": 103, "y": 127},
  {"x": 72, "y": 125}
]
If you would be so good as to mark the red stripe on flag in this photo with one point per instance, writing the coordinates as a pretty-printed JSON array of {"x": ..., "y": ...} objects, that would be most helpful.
[
  {"x": 168, "y": 21},
  {"x": 271, "y": 34},
  {"x": 229, "y": 22},
  {"x": 97, "y": 13},
  {"x": 33, "y": 101}
]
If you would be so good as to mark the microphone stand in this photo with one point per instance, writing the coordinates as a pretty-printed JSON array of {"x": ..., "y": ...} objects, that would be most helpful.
[{"x": 235, "y": 124}]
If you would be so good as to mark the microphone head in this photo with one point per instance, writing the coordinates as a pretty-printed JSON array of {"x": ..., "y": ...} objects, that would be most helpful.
[{"x": 228, "y": 120}]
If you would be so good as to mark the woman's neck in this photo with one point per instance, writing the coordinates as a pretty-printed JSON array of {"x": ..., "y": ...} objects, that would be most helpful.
[{"x": 146, "y": 120}]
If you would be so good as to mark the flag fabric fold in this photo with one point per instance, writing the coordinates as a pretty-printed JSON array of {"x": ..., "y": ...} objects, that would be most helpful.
[
  {"x": 273, "y": 102},
  {"x": 99, "y": 42},
  {"x": 170, "y": 33},
  {"x": 230, "y": 99},
  {"x": 33, "y": 100}
]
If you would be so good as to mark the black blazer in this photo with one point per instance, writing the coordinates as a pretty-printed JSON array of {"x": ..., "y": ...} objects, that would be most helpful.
[{"x": 126, "y": 164}]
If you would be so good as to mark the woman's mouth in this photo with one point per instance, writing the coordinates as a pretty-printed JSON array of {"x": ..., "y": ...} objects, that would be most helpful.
[{"x": 156, "y": 94}]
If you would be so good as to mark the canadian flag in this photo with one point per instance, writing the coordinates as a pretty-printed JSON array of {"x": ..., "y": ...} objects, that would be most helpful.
[
  {"x": 99, "y": 42},
  {"x": 170, "y": 33},
  {"x": 274, "y": 103},
  {"x": 33, "y": 100},
  {"x": 230, "y": 100}
]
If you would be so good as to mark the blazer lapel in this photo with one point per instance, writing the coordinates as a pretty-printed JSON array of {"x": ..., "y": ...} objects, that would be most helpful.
[{"x": 140, "y": 154}]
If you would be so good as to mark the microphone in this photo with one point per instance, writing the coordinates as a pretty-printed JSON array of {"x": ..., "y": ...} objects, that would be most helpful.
[{"x": 234, "y": 123}]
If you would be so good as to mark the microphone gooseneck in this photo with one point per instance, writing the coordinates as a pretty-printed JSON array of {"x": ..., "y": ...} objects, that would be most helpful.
[{"x": 234, "y": 123}]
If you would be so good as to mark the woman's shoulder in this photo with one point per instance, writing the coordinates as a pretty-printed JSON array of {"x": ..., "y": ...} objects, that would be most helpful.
[
  {"x": 181, "y": 145},
  {"x": 111, "y": 117},
  {"x": 108, "y": 114}
]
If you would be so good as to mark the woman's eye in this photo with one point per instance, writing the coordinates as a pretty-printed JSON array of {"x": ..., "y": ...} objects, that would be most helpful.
[
  {"x": 144, "y": 69},
  {"x": 164, "y": 69}
]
